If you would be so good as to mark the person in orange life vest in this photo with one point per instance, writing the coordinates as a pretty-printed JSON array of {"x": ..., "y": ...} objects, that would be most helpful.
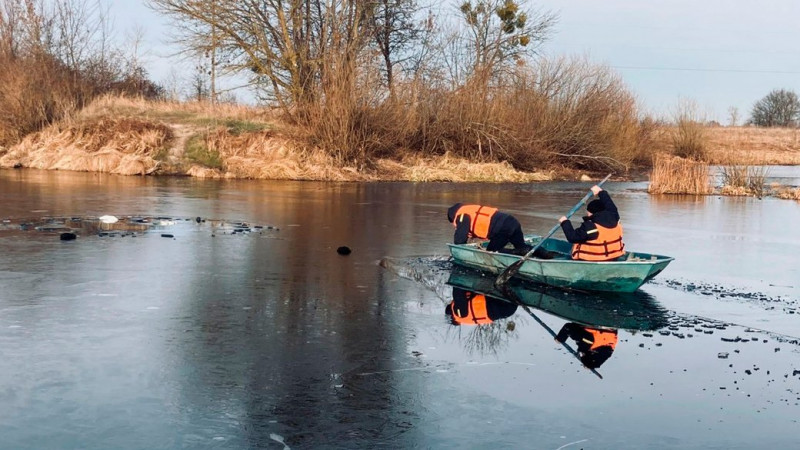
[
  {"x": 595, "y": 345},
  {"x": 485, "y": 222},
  {"x": 599, "y": 238},
  {"x": 472, "y": 308}
]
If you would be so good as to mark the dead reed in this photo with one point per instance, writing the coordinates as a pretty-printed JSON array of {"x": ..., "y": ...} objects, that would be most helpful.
[
  {"x": 787, "y": 193},
  {"x": 676, "y": 175}
]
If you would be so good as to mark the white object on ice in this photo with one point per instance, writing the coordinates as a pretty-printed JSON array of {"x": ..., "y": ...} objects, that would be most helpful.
[{"x": 108, "y": 219}]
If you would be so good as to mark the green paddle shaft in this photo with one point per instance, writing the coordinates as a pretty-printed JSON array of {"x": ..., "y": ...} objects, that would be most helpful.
[{"x": 512, "y": 269}]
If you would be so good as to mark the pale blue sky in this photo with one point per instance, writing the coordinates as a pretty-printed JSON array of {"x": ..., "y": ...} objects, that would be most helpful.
[{"x": 719, "y": 53}]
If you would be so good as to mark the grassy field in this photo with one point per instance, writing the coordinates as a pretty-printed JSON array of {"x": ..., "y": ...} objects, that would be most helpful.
[
  {"x": 741, "y": 145},
  {"x": 754, "y": 146}
]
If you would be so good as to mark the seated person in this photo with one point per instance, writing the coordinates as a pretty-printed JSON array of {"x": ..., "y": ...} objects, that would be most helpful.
[
  {"x": 595, "y": 345},
  {"x": 599, "y": 238}
]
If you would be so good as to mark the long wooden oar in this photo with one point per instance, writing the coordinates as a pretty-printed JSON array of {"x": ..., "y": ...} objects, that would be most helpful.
[
  {"x": 511, "y": 295},
  {"x": 513, "y": 268}
]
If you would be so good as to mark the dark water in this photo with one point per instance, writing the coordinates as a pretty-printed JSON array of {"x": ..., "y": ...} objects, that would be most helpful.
[{"x": 270, "y": 339}]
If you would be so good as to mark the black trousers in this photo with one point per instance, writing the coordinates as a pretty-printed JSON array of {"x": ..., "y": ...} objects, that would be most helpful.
[{"x": 509, "y": 231}]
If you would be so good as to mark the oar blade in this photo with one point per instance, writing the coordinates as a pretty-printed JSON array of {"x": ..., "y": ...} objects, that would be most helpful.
[{"x": 508, "y": 273}]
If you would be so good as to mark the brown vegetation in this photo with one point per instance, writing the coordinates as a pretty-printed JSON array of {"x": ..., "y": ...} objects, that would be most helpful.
[
  {"x": 420, "y": 103},
  {"x": 786, "y": 193},
  {"x": 753, "y": 145},
  {"x": 476, "y": 93},
  {"x": 744, "y": 180},
  {"x": 689, "y": 140},
  {"x": 740, "y": 145},
  {"x": 50, "y": 67},
  {"x": 223, "y": 141},
  {"x": 122, "y": 146},
  {"x": 563, "y": 112},
  {"x": 676, "y": 175}
]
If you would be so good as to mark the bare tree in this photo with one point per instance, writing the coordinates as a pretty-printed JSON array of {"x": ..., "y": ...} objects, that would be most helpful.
[
  {"x": 501, "y": 32},
  {"x": 733, "y": 115},
  {"x": 55, "y": 57},
  {"x": 779, "y": 108},
  {"x": 395, "y": 30},
  {"x": 288, "y": 47}
]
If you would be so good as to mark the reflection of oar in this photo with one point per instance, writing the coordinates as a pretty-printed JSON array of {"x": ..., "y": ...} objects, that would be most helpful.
[
  {"x": 510, "y": 294},
  {"x": 512, "y": 270}
]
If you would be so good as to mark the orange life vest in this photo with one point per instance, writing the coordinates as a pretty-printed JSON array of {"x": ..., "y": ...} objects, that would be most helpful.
[
  {"x": 602, "y": 338},
  {"x": 606, "y": 246},
  {"x": 480, "y": 217},
  {"x": 475, "y": 314}
]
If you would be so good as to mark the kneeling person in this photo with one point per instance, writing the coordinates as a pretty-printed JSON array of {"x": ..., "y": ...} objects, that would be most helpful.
[{"x": 485, "y": 222}]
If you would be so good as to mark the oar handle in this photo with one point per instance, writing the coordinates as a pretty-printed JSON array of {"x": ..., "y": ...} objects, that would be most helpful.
[
  {"x": 583, "y": 200},
  {"x": 512, "y": 269}
]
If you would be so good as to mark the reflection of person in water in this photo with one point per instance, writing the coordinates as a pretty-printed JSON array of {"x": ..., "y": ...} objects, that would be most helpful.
[
  {"x": 471, "y": 308},
  {"x": 595, "y": 345}
]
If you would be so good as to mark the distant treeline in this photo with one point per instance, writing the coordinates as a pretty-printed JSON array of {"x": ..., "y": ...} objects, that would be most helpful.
[{"x": 55, "y": 57}]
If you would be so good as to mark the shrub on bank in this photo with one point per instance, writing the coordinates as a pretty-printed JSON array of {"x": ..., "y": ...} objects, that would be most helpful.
[
  {"x": 744, "y": 180},
  {"x": 50, "y": 67},
  {"x": 560, "y": 112},
  {"x": 689, "y": 138}
]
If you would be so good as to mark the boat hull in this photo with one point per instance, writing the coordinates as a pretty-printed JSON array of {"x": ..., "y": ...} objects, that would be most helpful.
[
  {"x": 630, "y": 311},
  {"x": 610, "y": 276}
]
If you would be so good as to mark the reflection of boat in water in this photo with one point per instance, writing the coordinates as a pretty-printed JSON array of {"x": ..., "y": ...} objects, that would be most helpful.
[
  {"x": 631, "y": 311},
  {"x": 610, "y": 276}
]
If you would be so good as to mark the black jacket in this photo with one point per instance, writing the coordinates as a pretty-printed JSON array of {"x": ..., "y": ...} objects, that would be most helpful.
[
  {"x": 495, "y": 309},
  {"x": 462, "y": 228},
  {"x": 584, "y": 340},
  {"x": 608, "y": 218}
]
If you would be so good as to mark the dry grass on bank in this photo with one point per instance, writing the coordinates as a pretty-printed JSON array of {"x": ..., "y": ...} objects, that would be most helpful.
[
  {"x": 122, "y": 146},
  {"x": 454, "y": 169},
  {"x": 559, "y": 112},
  {"x": 740, "y": 145},
  {"x": 175, "y": 112},
  {"x": 228, "y": 141},
  {"x": 754, "y": 146},
  {"x": 786, "y": 193},
  {"x": 675, "y": 175}
]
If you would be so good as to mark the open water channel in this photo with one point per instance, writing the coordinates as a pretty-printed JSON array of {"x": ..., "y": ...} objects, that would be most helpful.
[{"x": 246, "y": 329}]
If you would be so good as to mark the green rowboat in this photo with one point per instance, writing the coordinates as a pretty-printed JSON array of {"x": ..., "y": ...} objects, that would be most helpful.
[
  {"x": 629, "y": 311},
  {"x": 624, "y": 275}
]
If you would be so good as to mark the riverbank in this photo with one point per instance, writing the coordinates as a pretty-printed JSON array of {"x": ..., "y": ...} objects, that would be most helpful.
[
  {"x": 131, "y": 136},
  {"x": 138, "y": 137}
]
